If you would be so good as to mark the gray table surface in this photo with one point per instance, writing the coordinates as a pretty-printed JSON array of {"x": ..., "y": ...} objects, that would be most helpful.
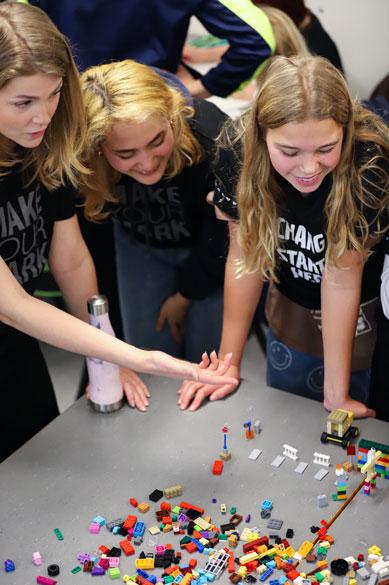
[{"x": 85, "y": 463}]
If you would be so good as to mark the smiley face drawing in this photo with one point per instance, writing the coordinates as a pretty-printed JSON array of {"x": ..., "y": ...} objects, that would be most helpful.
[{"x": 279, "y": 356}]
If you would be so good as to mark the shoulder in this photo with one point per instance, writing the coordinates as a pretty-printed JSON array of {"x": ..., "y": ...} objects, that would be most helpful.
[{"x": 208, "y": 120}]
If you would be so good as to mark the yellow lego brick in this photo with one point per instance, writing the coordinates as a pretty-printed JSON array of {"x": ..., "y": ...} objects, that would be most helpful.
[
  {"x": 126, "y": 578},
  {"x": 252, "y": 556},
  {"x": 242, "y": 571},
  {"x": 321, "y": 565},
  {"x": 248, "y": 535},
  {"x": 325, "y": 544},
  {"x": 186, "y": 579},
  {"x": 143, "y": 507},
  {"x": 144, "y": 563},
  {"x": 268, "y": 552},
  {"x": 374, "y": 550},
  {"x": 352, "y": 582},
  {"x": 204, "y": 541},
  {"x": 290, "y": 551},
  {"x": 175, "y": 573},
  {"x": 305, "y": 548},
  {"x": 167, "y": 528}
]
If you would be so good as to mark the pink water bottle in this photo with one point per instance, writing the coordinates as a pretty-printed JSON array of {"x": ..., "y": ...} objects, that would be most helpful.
[{"x": 106, "y": 393}]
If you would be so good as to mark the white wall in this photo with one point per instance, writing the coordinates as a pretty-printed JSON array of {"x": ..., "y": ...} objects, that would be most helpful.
[{"x": 360, "y": 30}]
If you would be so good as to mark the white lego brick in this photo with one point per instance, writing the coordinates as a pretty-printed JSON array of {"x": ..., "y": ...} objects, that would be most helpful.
[
  {"x": 321, "y": 474},
  {"x": 255, "y": 453},
  {"x": 301, "y": 467},
  {"x": 278, "y": 461}
]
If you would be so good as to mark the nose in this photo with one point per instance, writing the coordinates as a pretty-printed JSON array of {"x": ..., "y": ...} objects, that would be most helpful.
[
  {"x": 145, "y": 162},
  {"x": 310, "y": 165},
  {"x": 42, "y": 115}
]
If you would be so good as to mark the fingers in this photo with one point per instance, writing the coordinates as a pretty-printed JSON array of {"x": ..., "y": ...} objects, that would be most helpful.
[
  {"x": 193, "y": 395},
  {"x": 189, "y": 389},
  {"x": 222, "y": 392},
  {"x": 175, "y": 331},
  {"x": 209, "y": 377},
  {"x": 204, "y": 360},
  {"x": 160, "y": 322}
]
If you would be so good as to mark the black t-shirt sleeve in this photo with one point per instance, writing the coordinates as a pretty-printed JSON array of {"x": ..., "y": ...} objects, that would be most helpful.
[
  {"x": 203, "y": 273},
  {"x": 226, "y": 171},
  {"x": 63, "y": 202}
]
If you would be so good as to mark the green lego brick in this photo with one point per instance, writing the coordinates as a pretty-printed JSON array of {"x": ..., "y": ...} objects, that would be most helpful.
[
  {"x": 58, "y": 533},
  {"x": 75, "y": 570}
]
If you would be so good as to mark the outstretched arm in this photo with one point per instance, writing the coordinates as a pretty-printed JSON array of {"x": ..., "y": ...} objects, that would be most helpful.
[
  {"x": 340, "y": 300},
  {"x": 38, "y": 319},
  {"x": 241, "y": 296}
]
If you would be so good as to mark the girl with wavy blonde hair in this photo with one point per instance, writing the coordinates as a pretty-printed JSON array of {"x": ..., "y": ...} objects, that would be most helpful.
[
  {"x": 41, "y": 138},
  {"x": 150, "y": 152},
  {"x": 312, "y": 203}
]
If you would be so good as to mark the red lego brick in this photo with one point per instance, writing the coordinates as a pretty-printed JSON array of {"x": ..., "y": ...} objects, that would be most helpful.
[
  {"x": 103, "y": 549},
  {"x": 192, "y": 563},
  {"x": 264, "y": 540},
  {"x": 217, "y": 467},
  {"x": 191, "y": 547},
  {"x": 165, "y": 506},
  {"x": 133, "y": 502},
  {"x": 191, "y": 507}
]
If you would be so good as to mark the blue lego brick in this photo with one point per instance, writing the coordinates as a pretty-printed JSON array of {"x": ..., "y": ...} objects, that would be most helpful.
[
  {"x": 139, "y": 529},
  {"x": 265, "y": 575}
]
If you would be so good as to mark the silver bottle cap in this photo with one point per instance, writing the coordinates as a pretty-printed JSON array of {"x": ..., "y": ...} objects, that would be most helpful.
[{"x": 97, "y": 305}]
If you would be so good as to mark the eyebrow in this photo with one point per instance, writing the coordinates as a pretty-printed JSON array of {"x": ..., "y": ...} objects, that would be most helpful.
[
  {"x": 32, "y": 97},
  {"x": 125, "y": 150},
  {"x": 296, "y": 147}
]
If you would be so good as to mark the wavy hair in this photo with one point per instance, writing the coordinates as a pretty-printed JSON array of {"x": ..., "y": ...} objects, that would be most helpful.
[
  {"x": 289, "y": 40},
  {"x": 29, "y": 44},
  {"x": 126, "y": 91},
  {"x": 293, "y": 90}
]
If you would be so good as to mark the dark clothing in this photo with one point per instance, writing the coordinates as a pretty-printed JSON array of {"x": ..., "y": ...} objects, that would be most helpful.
[
  {"x": 174, "y": 213},
  {"x": 154, "y": 32},
  {"x": 302, "y": 237},
  {"x": 379, "y": 381},
  {"x": 320, "y": 43},
  {"x": 27, "y": 217}
]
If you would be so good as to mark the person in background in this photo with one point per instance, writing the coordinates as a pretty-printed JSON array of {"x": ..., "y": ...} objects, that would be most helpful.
[
  {"x": 154, "y": 33},
  {"x": 288, "y": 40},
  {"x": 310, "y": 215},
  {"x": 379, "y": 382},
  {"x": 149, "y": 155},
  {"x": 317, "y": 38},
  {"x": 42, "y": 134}
]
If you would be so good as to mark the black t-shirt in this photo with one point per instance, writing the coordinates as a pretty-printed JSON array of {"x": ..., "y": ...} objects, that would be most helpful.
[
  {"x": 27, "y": 216},
  {"x": 302, "y": 235},
  {"x": 174, "y": 213}
]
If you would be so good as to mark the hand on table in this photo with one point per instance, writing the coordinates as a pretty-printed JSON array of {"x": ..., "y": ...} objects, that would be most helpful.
[
  {"x": 173, "y": 312},
  {"x": 192, "y": 394},
  {"x": 135, "y": 389},
  {"x": 359, "y": 409}
]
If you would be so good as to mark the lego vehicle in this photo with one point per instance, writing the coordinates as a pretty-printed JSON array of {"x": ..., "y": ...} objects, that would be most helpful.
[{"x": 339, "y": 429}]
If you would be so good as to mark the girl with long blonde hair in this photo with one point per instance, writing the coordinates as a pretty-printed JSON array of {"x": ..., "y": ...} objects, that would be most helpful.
[
  {"x": 149, "y": 155},
  {"x": 309, "y": 215},
  {"x": 42, "y": 133}
]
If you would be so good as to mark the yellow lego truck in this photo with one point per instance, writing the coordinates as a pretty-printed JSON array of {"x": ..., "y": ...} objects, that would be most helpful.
[{"x": 339, "y": 429}]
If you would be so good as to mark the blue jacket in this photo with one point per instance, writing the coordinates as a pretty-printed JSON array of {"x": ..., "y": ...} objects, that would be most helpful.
[{"x": 154, "y": 32}]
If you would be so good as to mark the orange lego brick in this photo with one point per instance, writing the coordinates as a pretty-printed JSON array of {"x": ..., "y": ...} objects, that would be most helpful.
[
  {"x": 127, "y": 547},
  {"x": 129, "y": 522},
  {"x": 165, "y": 506}
]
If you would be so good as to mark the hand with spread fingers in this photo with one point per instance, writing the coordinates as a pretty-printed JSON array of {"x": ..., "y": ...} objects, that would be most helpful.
[{"x": 192, "y": 394}]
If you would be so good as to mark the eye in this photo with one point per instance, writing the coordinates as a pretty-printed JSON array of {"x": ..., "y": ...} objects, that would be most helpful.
[
  {"x": 290, "y": 154},
  {"x": 158, "y": 140},
  {"x": 326, "y": 150},
  {"x": 125, "y": 156},
  {"x": 22, "y": 105}
]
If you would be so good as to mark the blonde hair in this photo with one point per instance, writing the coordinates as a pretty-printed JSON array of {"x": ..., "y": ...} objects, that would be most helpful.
[
  {"x": 29, "y": 44},
  {"x": 130, "y": 92},
  {"x": 293, "y": 90},
  {"x": 289, "y": 40}
]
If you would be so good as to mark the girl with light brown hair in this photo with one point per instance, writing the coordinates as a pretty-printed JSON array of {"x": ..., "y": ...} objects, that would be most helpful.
[
  {"x": 149, "y": 153},
  {"x": 309, "y": 215},
  {"x": 42, "y": 133}
]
